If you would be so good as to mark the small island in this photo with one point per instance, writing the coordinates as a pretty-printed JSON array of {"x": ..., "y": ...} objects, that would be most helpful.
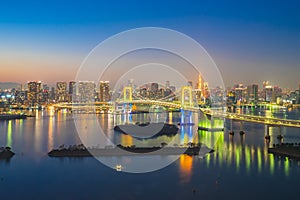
[
  {"x": 6, "y": 153},
  {"x": 119, "y": 150},
  {"x": 145, "y": 130}
]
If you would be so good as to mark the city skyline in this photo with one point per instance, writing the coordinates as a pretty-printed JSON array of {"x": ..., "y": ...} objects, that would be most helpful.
[
  {"x": 38, "y": 93},
  {"x": 250, "y": 42},
  {"x": 23, "y": 85},
  {"x": 168, "y": 99}
]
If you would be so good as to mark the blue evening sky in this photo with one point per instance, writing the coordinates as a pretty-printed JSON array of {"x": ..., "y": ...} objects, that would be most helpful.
[{"x": 250, "y": 41}]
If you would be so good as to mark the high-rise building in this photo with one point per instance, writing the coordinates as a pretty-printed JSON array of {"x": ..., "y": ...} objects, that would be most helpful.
[
  {"x": 154, "y": 87},
  {"x": 153, "y": 90},
  {"x": 45, "y": 87},
  {"x": 34, "y": 90},
  {"x": 173, "y": 88},
  {"x": 277, "y": 93},
  {"x": 240, "y": 93},
  {"x": 206, "y": 93},
  {"x": 143, "y": 92},
  {"x": 61, "y": 91},
  {"x": 268, "y": 93},
  {"x": 252, "y": 93},
  {"x": 72, "y": 90},
  {"x": 86, "y": 91},
  {"x": 52, "y": 94},
  {"x": 104, "y": 94},
  {"x": 265, "y": 84},
  {"x": 200, "y": 85},
  {"x": 72, "y": 87}
]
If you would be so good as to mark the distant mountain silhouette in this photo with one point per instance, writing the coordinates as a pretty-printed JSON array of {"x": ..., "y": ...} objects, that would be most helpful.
[{"x": 9, "y": 85}]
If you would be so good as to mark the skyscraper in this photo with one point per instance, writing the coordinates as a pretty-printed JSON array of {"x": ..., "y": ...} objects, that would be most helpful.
[
  {"x": 268, "y": 93},
  {"x": 252, "y": 93},
  {"x": 72, "y": 90},
  {"x": 206, "y": 93},
  {"x": 104, "y": 91},
  {"x": 61, "y": 91},
  {"x": 72, "y": 87},
  {"x": 240, "y": 94},
  {"x": 154, "y": 90},
  {"x": 86, "y": 92},
  {"x": 200, "y": 84},
  {"x": 34, "y": 89}
]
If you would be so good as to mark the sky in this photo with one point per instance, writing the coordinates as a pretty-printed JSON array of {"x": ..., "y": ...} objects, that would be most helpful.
[{"x": 250, "y": 41}]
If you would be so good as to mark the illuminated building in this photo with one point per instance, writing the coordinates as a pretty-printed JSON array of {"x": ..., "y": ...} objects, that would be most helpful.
[
  {"x": 205, "y": 90},
  {"x": 161, "y": 92},
  {"x": 34, "y": 90},
  {"x": 277, "y": 94},
  {"x": 86, "y": 91},
  {"x": 52, "y": 94},
  {"x": 143, "y": 92},
  {"x": 61, "y": 91},
  {"x": 104, "y": 91},
  {"x": 200, "y": 86},
  {"x": 252, "y": 93},
  {"x": 20, "y": 96},
  {"x": 154, "y": 87},
  {"x": 268, "y": 93},
  {"x": 240, "y": 94},
  {"x": 72, "y": 87},
  {"x": 154, "y": 90},
  {"x": 173, "y": 88},
  {"x": 45, "y": 94}
]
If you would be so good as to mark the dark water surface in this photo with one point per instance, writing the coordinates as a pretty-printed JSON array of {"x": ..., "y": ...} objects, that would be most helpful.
[{"x": 240, "y": 168}]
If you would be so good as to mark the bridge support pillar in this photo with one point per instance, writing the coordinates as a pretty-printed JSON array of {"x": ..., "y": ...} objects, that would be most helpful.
[
  {"x": 280, "y": 137},
  {"x": 231, "y": 132},
  {"x": 267, "y": 137},
  {"x": 186, "y": 117},
  {"x": 242, "y": 132}
]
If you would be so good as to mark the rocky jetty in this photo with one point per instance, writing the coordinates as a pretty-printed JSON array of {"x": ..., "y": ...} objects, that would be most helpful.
[
  {"x": 6, "y": 153},
  {"x": 290, "y": 150}
]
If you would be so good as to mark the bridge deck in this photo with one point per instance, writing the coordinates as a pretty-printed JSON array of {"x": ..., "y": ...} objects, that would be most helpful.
[{"x": 256, "y": 119}]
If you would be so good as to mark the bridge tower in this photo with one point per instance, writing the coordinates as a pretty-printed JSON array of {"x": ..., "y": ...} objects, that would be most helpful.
[
  {"x": 127, "y": 98},
  {"x": 127, "y": 94},
  {"x": 186, "y": 101},
  {"x": 186, "y": 96}
]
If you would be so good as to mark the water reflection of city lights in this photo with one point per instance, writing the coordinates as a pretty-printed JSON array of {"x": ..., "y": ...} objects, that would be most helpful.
[{"x": 186, "y": 163}]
